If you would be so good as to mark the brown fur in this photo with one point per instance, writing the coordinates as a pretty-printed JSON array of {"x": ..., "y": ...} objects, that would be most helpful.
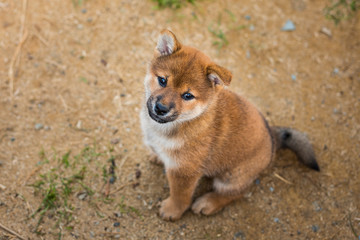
[{"x": 217, "y": 134}]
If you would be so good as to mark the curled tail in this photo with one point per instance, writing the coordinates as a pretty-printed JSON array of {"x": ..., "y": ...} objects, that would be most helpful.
[{"x": 296, "y": 142}]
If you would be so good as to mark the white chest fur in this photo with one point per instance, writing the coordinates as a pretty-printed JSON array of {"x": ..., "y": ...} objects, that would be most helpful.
[{"x": 155, "y": 136}]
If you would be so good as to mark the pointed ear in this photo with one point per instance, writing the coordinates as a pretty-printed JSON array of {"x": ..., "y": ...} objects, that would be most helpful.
[
  {"x": 219, "y": 75},
  {"x": 167, "y": 43}
]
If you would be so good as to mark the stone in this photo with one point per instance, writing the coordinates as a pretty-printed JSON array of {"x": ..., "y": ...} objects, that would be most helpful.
[{"x": 288, "y": 26}]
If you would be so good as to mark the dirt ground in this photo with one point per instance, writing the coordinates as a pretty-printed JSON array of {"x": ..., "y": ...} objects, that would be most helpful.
[{"x": 78, "y": 79}]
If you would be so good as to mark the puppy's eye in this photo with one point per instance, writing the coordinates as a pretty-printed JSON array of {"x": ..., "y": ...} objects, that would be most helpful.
[
  {"x": 162, "y": 81},
  {"x": 187, "y": 96}
]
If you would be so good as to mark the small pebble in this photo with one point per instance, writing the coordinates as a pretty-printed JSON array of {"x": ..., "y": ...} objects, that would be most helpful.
[
  {"x": 288, "y": 26},
  {"x": 1, "y": 163},
  {"x": 257, "y": 181},
  {"x": 80, "y": 26},
  {"x": 326, "y": 31},
  {"x": 92, "y": 234},
  {"x": 276, "y": 220},
  {"x": 79, "y": 124},
  {"x": 112, "y": 179},
  {"x": 82, "y": 195},
  {"x": 293, "y": 77},
  {"x": 248, "y": 54},
  {"x": 252, "y": 27},
  {"x": 317, "y": 206},
  {"x": 248, "y": 17},
  {"x": 103, "y": 62},
  {"x": 84, "y": 10},
  {"x": 115, "y": 141},
  {"x": 335, "y": 71},
  {"x": 315, "y": 228},
  {"x": 335, "y": 110},
  {"x": 271, "y": 189},
  {"x": 47, "y": 128},
  {"x": 312, "y": 118},
  {"x": 11, "y": 139},
  {"x": 138, "y": 173},
  {"x": 182, "y": 226},
  {"x": 239, "y": 234},
  {"x": 116, "y": 224},
  {"x": 117, "y": 236},
  {"x": 38, "y": 126}
]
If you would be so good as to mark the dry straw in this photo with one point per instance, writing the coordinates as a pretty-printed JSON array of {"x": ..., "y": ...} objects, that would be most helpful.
[
  {"x": 11, "y": 231},
  {"x": 15, "y": 58}
]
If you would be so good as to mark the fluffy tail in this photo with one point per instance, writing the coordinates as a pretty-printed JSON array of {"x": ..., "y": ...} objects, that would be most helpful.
[{"x": 298, "y": 143}]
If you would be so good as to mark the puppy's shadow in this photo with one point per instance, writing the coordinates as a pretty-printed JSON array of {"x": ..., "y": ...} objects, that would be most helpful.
[{"x": 205, "y": 185}]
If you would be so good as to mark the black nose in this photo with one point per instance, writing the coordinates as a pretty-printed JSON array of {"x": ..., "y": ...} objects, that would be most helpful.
[{"x": 161, "y": 109}]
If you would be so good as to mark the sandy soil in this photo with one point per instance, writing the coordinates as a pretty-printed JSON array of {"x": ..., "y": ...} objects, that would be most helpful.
[{"x": 79, "y": 80}]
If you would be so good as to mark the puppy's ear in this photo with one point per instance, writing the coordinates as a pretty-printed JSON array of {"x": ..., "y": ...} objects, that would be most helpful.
[
  {"x": 167, "y": 43},
  {"x": 219, "y": 75}
]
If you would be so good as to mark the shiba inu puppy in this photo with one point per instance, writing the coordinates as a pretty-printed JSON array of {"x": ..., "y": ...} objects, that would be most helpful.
[{"x": 196, "y": 128}]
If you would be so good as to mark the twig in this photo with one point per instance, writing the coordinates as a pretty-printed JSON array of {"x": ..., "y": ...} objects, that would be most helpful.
[
  {"x": 352, "y": 227},
  {"x": 13, "y": 60},
  {"x": 123, "y": 161},
  {"x": 22, "y": 27},
  {"x": 11, "y": 231},
  {"x": 23, "y": 37},
  {"x": 102, "y": 211},
  {"x": 23, "y": 18},
  {"x": 41, "y": 39},
  {"x": 56, "y": 64},
  {"x": 282, "y": 179},
  {"x": 121, "y": 187},
  {"x": 63, "y": 102},
  {"x": 28, "y": 206},
  {"x": 35, "y": 170},
  {"x": 107, "y": 188},
  {"x": 337, "y": 232}
]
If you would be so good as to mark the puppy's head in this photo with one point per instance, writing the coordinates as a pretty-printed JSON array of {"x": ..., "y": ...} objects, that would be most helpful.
[{"x": 181, "y": 81}]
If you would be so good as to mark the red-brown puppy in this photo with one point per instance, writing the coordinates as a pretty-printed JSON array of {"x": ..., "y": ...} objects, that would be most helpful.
[{"x": 198, "y": 128}]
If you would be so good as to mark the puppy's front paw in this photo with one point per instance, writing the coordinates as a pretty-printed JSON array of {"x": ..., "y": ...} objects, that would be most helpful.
[
  {"x": 170, "y": 211},
  {"x": 206, "y": 204}
]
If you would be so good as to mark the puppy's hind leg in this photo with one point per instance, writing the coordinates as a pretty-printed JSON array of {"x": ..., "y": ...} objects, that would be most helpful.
[
  {"x": 224, "y": 193},
  {"x": 211, "y": 203}
]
